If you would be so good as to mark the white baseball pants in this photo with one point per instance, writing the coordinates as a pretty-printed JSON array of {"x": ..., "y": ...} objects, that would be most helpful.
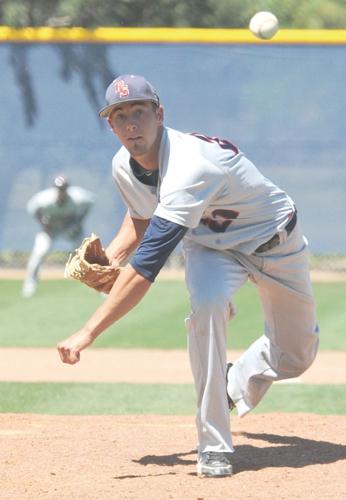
[
  {"x": 42, "y": 246},
  {"x": 286, "y": 349}
]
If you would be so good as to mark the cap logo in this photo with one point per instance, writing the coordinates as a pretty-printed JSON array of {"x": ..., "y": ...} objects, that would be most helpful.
[{"x": 121, "y": 88}]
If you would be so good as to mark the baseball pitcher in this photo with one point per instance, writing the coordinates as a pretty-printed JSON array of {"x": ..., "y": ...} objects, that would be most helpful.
[{"x": 236, "y": 225}]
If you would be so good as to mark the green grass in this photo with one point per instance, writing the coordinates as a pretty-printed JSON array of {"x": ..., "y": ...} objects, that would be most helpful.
[
  {"x": 159, "y": 399},
  {"x": 60, "y": 307}
]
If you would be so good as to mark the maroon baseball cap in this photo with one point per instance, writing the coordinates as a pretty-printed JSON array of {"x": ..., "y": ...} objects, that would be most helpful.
[{"x": 127, "y": 88}]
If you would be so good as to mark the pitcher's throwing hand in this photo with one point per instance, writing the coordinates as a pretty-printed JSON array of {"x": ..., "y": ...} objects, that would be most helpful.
[{"x": 69, "y": 349}]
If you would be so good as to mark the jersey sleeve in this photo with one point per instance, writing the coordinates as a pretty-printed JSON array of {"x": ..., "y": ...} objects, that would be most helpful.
[
  {"x": 140, "y": 199},
  {"x": 33, "y": 205},
  {"x": 160, "y": 239},
  {"x": 83, "y": 200},
  {"x": 39, "y": 202},
  {"x": 184, "y": 198}
]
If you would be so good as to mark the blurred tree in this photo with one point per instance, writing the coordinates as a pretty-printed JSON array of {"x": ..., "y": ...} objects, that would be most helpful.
[
  {"x": 197, "y": 13},
  {"x": 27, "y": 12},
  {"x": 90, "y": 62},
  {"x": 19, "y": 62},
  {"x": 136, "y": 12},
  {"x": 321, "y": 14}
]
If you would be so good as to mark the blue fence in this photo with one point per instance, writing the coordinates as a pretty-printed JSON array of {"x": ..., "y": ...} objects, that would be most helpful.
[{"x": 283, "y": 105}]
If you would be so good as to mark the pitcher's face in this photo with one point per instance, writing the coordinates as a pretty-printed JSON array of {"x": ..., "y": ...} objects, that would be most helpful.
[{"x": 138, "y": 126}]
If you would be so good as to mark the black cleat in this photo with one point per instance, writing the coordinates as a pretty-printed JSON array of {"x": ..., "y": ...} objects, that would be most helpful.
[{"x": 214, "y": 464}]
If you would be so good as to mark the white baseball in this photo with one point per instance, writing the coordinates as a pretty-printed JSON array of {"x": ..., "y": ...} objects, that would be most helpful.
[{"x": 264, "y": 25}]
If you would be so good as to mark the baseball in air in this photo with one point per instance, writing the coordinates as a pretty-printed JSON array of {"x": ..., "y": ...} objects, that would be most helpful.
[{"x": 264, "y": 25}]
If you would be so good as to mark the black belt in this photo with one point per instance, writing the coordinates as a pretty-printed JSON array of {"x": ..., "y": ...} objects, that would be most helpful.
[{"x": 275, "y": 240}]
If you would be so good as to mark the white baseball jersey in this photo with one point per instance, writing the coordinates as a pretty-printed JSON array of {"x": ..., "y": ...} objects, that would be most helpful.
[
  {"x": 60, "y": 216},
  {"x": 211, "y": 188},
  {"x": 208, "y": 186}
]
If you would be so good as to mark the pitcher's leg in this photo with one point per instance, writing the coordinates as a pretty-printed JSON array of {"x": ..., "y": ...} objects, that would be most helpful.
[
  {"x": 207, "y": 350},
  {"x": 290, "y": 341},
  {"x": 211, "y": 280}
]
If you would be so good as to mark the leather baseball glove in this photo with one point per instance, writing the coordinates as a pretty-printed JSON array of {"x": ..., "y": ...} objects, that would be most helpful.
[{"x": 90, "y": 265}]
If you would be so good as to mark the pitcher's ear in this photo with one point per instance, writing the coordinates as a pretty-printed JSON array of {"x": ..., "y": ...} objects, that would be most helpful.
[{"x": 160, "y": 113}]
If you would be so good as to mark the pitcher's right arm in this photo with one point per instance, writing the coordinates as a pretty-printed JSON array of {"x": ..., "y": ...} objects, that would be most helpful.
[{"x": 127, "y": 239}]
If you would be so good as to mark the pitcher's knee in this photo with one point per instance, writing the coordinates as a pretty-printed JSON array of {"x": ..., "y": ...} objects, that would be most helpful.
[
  {"x": 208, "y": 306},
  {"x": 294, "y": 364}
]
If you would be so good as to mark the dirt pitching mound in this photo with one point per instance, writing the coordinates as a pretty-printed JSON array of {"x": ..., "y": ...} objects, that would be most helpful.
[{"x": 152, "y": 457}]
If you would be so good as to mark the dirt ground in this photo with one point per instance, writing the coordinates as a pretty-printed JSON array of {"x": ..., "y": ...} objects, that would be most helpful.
[
  {"x": 150, "y": 457},
  {"x": 137, "y": 366},
  {"x": 277, "y": 456}
]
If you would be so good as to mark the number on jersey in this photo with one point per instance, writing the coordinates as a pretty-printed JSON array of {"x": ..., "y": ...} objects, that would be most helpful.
[
  {"x": 220, "y": 220},
  {"x": 223, "y": 143}
]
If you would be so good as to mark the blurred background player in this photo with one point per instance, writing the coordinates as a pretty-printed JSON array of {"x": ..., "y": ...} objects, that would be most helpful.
[{"x": 60, "y": 210}]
